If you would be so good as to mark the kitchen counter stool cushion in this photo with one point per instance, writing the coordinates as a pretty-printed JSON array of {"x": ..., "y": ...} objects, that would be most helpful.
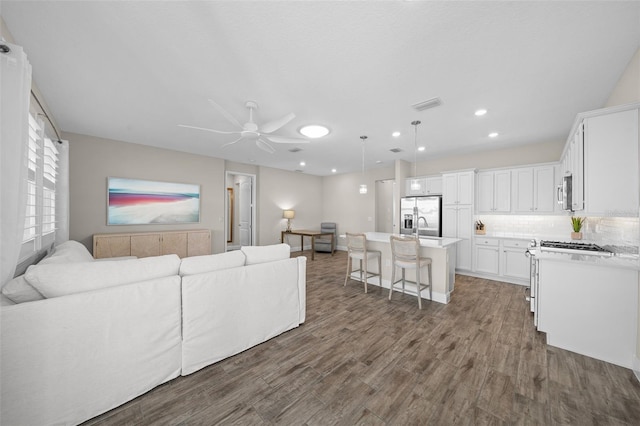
[
  {"x": 405, "y": 254},
  {"x": 357, "y": 249},
  {"x": 324, "y": 244}
]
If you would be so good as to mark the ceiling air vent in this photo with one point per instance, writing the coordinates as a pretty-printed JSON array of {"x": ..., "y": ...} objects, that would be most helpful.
[
  {"x": 429, "y": 103},
  {"x": 296, "y": 149},
  {"x": 298, "y": 171},
  {"x": 395, "y": 150}
]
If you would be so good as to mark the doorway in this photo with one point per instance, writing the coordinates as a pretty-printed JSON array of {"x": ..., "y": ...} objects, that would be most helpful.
[
  {"x": 240, "y": 217},
  {"x": 385, "y": 206}
]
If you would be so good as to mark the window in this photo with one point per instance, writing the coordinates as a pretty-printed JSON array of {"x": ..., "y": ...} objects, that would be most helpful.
[{"x": 40, "y": 214}]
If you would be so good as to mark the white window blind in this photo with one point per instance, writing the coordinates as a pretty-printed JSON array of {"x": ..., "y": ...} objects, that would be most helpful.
[{"x": 40, "y": 214}]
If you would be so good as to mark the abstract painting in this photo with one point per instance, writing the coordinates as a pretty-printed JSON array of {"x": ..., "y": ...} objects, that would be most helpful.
[{"x": 138, "y": 202}]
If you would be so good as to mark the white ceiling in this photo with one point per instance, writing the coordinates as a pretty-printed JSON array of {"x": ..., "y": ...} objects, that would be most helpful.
[{"x": 133, "y": 71}]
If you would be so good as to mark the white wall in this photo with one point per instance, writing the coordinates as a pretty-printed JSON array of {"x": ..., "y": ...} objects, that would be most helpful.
[
  {"x": 627, "y": 90},
  {"x": 280, "y": 190},
  {"x": 93, "y": 159}
]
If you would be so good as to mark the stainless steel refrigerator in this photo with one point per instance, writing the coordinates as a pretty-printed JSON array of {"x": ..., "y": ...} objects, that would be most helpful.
[{"x": 422, "y": 215}]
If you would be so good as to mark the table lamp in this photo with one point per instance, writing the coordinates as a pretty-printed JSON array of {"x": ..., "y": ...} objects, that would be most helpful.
[{"x": 288, "y": 214}]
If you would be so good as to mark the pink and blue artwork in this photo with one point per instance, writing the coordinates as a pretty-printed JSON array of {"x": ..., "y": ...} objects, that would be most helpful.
[{"x": 138, "y": 202}]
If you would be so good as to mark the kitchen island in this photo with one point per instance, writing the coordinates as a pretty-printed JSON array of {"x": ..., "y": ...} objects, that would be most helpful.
[{"x": 442, "y": 252}]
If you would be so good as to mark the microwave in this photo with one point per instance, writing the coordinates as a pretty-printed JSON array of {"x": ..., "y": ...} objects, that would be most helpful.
[{"x": 564, "y": 193}]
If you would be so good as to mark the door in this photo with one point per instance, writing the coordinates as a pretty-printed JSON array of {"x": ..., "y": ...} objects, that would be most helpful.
[
  {"x": 245, "y": 211},
  {"x": 384, "y": 206}
]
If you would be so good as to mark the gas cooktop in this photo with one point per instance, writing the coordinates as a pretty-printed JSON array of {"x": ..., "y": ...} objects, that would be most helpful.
[{"x": 582, "y": 248}]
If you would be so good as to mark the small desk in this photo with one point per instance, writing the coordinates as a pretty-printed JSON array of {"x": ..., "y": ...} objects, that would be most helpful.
[{"x": 313, "y": 235}]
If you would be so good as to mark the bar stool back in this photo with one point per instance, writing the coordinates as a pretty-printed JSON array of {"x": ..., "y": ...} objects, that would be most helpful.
[
  {"x": 357, "y": 249},
  {"x": 405, "y": 254}
]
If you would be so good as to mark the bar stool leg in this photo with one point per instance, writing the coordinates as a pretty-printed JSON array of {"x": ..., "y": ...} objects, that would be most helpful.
[
  {"x": 430, "y": 284},
  {"x": 349, "y": 268},
  {"x": 365, "y": 274},
  {"x": 393, "y": 279},
  {"x": 418, "y": 287}
]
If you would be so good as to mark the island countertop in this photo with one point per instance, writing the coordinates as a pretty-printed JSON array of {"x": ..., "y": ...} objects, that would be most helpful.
[{"x": 432, "y": 242}]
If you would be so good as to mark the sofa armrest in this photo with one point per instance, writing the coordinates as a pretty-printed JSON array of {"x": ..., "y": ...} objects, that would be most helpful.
[{"x": 67, "y": 359}]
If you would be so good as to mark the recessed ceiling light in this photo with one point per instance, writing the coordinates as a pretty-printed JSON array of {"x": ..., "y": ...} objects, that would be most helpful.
[
  {"x": 395, "y": 134},
  {"x": 333, "y": 170},
  {"x": 379, "y": 162},
  {"x": 421, "y": 148},
  {"x": 481, "y": 112},
  {"x": 493, "y": 135},
  {"x": 302, "y": 163},
  {"x": 314, "y": 131}
]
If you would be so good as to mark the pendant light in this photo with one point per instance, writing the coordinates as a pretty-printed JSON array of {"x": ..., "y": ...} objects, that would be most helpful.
[
  {"x": 415, "y": 183},
  {"x": 363, "y": 186}
]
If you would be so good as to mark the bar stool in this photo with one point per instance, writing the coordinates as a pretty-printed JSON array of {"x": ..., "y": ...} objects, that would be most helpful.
[
  {"x": 357, "y": 249},
  {"x": 405, "y": 254}
]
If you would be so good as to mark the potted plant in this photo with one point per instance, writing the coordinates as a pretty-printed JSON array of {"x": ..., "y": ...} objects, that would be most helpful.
[{"x": 576, "y": 223}]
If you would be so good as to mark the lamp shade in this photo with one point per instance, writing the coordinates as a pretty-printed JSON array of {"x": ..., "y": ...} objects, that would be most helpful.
[{"x": 288, "y": 214}]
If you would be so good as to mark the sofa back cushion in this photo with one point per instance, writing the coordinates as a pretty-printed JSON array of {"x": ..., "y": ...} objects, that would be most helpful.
[
  {"x": 212, "y": 262},
  {"x": 264, "y": 254},
  {"x": 54, "y": 280},
  {"x": 19, "y": 290},
  {"x": 68, "y": 252}
]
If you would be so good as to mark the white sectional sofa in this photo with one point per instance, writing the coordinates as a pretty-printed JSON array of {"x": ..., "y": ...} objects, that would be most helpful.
[{"x": 87, "y": 336}]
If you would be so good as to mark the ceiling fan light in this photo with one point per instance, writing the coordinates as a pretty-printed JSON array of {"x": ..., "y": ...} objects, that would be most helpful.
[{"x": 314, "y": 131}]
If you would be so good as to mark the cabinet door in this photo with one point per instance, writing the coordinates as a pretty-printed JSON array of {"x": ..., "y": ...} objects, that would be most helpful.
[
  {"x": 111, "y": 246},
  {"x": 487, "y": 259},
  {"x": 577, "y": 170},
  {"x": 502, "y": 191},
  {"x": 611, "y": 185},
  {"x": 421, "y": 191},
  {"x": 463, "y": 254},
  {"x": 522, "y": 190},
  {"x": 449, "y": 221},
  {"x": 146, "y": 245},
  {"x": 465, "y": 187},
  {"x": 199, "y": 243},
  {"x": 450, "y": 189},
  {"x": 434, "y": 185},
  {"x": 175, "y": 243},
  {"x": 544, "y": 189},
  {"x": 516, "y": 264},
  {"x": 485, "y": 192},
  {"x": 465, "y": 222}
]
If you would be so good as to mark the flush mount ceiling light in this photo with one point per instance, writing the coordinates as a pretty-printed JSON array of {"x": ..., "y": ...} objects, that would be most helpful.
[
  {"x": 493, "y": 135},
  {"x": 481, "y": 112},
  {"x": 314, "y": 131}
]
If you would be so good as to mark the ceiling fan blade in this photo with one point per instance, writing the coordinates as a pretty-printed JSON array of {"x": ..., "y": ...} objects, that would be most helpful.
[
  {"x": 231, "y": 143},
  {"x": 274, "y": 125},
  {"x": 283, "y": 139},
  {"x": 263, "y": 145},
  {"x": 208, "y": 130},
  {"x": 226, "y": 114}
]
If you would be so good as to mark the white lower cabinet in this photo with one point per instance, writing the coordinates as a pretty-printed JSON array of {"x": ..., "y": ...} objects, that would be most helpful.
[
  {"x": 589, "y": 309},
  {"x": 504, "y": 259}
]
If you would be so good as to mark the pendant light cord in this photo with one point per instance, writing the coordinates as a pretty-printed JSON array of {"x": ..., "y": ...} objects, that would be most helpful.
[{"x": 415, "y": 148}]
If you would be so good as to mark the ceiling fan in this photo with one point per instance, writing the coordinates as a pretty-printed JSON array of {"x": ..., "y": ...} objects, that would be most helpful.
[{"x": 250, "y": 130}]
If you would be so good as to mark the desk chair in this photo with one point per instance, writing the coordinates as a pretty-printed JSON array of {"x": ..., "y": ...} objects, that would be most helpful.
[
  {"x": 323, "y": 244},
  {"x": 357, "y": 249},
  {"x": 405, "y": 254}
]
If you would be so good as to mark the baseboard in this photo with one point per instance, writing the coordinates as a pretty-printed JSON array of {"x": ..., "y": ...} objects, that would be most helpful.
[
  {"x": 636, "y": 367},
  {"x": 495, "y": 277},
  {"x": 409, "y": 289}
]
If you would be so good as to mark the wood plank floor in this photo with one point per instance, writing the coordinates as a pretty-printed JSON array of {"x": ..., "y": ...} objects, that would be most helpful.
[{"x": 360, "y": 359}]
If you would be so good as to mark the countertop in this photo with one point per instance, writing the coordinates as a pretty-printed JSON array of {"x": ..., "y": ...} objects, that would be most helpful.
[
  {"x": 432, "y": 242},
  {"x": 608, "y": 261}
]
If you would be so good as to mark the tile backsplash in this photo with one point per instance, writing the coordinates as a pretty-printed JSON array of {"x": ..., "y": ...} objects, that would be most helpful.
[{"x": 605, "y": 230}]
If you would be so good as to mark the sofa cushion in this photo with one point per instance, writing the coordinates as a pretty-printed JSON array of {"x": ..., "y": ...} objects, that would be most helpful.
[
  {"x": 5, "y": 301},
  {"x": 19, "y": 290},
  {"x": 263, "y": 254},
  {"x": 212, "y": 262},
  {"x": 68, "y": 252},
  {"x": 53, "y": 280}
]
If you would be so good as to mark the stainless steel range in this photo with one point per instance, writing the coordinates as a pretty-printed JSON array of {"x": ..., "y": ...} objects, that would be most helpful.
[{"x": 571, "y": 247}]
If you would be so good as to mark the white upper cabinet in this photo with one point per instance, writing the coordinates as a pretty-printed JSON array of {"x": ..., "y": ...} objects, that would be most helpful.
[
  {"x": 457, "y": 188},
  {"x": 494, "y": 191},
  {"x": 428, "y": 186},
  {"x": 611, "y": 164},
  {"x": 533, "y": 189}
]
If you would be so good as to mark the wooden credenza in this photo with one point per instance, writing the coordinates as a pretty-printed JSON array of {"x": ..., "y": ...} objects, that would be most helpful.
[{"x": 186, "y": 243}]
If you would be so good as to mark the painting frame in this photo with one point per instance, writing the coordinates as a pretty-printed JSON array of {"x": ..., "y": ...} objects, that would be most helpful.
[{"x": 132, "y": 201}]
